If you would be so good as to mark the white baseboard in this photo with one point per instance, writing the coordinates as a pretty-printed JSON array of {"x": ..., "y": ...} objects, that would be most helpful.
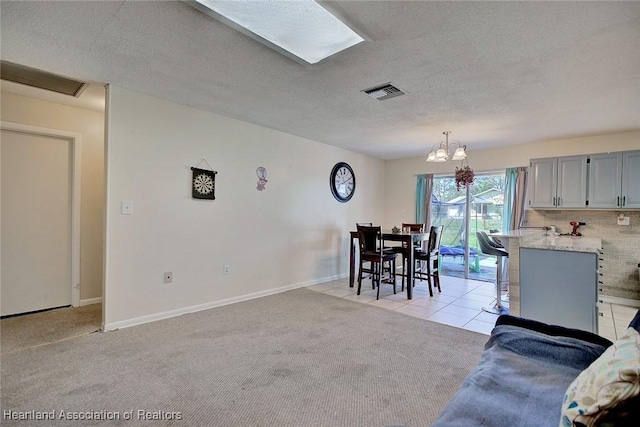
[
  {"x": 90, "y": 301},
  {"x": 212, "y": 304}
]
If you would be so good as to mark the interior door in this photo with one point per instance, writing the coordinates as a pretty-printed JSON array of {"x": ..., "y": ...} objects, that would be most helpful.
[{"x": 35, "y": 247}]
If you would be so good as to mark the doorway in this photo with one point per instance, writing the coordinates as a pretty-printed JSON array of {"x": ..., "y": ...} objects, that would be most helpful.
[
  {"x": 40, "y": 206},
  {"x": 449, "y": 209}
]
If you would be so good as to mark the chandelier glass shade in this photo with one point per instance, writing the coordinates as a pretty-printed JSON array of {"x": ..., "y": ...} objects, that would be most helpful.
[{"x": 442, "y": 154}]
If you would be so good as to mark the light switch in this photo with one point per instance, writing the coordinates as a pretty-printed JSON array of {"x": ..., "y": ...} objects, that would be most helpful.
[{"x": 127, "y": 207}]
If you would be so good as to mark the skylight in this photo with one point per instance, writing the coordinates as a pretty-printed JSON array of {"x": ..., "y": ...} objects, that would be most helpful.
[{"x": 301, "y": 27}]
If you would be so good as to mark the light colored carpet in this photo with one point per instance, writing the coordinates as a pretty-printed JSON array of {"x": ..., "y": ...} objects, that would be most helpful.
[
  {"x": 21, "y": 332},
  {"x": 299, "y": 358}
]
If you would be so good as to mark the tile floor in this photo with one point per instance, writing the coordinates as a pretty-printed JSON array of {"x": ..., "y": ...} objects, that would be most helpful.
[
  {"x": 459, "y": 304},
  {"x": 614, "y": 319}
]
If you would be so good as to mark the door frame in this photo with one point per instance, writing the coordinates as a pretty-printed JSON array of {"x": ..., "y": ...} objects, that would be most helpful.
[{"x": 76, "y": 152}]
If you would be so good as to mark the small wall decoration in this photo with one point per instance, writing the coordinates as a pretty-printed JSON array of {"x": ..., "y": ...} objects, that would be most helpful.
[
  {"x": 262, "y": 178},
  {"x": 203, "y": 182}
]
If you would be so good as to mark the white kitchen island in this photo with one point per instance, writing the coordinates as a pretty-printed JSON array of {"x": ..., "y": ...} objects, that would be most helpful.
[{"x": 558, "y": 280}]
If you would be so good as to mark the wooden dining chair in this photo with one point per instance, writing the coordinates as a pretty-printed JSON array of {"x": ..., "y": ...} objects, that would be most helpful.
[
  {"x": 372, "y": 250},
  {"x": 367, "y": 269},
  {"x": 370, "y": 224},
  {"x": 429, "y": 259}
]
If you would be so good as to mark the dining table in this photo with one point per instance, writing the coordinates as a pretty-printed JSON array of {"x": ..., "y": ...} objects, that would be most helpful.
[{"x": 410, "y": 241}]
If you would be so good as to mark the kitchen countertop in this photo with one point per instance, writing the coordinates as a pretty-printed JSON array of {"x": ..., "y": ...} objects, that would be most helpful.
[
  {"x": 562, "y": 243},
  {"x": 516, "y": 233}
]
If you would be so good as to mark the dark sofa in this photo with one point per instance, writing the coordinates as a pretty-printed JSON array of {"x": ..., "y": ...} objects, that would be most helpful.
[{"x": 523, "y": 376}]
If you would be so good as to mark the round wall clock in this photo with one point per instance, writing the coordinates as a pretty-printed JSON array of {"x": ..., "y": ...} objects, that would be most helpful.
[{"x": 342, "y": 182}]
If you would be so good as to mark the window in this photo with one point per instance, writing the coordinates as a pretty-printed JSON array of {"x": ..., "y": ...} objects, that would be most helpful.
[{"x": 448, "y": 208}]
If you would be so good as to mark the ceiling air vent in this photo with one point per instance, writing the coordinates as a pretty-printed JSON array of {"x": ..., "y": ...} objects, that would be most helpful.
[
  {"x": 40, "y": 79},
  {"x": 383, "y": 92}
]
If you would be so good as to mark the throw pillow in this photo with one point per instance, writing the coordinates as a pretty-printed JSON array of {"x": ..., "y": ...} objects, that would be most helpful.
[{"x": 609, "y": 381}]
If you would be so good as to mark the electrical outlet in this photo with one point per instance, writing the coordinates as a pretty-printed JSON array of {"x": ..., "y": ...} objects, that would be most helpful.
[
  {"x": 623, "y": 220},
  {"x": 168, "y": 277},
  {"x": 127, "y": 207},
  {"x": 225, "y": 269}
]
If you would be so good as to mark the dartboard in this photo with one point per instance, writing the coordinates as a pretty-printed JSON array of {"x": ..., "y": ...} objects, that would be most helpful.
[{"x": 203, "y": 184}]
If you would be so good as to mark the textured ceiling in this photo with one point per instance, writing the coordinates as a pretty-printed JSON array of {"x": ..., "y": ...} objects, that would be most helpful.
[{"x": 494, "y": 73}]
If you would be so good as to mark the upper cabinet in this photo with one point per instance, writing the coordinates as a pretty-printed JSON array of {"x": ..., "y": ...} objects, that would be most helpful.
[
  {"x": 559, "y": 182},
  {"x": 631, "y": 179},
  {"x": 614, "y": 180},
  {"x": 605, "y": 180}
]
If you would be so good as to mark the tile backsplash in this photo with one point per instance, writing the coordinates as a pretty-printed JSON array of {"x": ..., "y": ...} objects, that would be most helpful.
[{"x": 620, "y": 243}]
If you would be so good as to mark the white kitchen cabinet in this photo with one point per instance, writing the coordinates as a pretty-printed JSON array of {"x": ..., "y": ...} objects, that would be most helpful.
[
  {"x": 605, "y": 180},
  {"x": 631, "y": 179},
  {"x": 614, "y": 180},
  {"x": 559, "y": 182}
]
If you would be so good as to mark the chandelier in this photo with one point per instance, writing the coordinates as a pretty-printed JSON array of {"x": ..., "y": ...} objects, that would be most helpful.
[{"x": 441, "y": 154}]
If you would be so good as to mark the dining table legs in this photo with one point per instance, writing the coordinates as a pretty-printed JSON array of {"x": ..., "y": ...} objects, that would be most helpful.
[
  {"x": 352, "y": 259},
  {"x": 410, "y": 266}
]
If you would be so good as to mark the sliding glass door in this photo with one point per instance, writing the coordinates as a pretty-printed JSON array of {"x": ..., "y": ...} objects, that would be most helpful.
[{"x": 462, "y": 213}]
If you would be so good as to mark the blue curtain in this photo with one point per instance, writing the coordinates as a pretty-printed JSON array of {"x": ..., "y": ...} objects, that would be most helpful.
[
  {"x": 514, "y": 198},
  {"x": 424, "y": 191},
  {"x": 515, "y": 188},
  {"x": 420, "y": 195},
  {"x": 509, "y": 193}
]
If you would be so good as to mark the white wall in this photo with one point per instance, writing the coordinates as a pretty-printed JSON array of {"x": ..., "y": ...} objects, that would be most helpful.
[
  {"x": 401, "y": 174},
  {"x": 90, "y": 125},
  {"x": 291, "y": 234}
]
